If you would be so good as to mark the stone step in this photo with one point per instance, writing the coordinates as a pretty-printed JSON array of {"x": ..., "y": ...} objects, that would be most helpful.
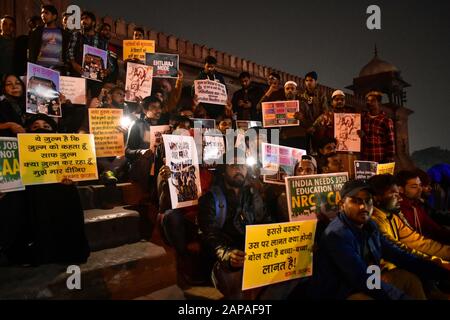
[
  {"x": 125, "y": 272},
  {"x": 101, "y": 196},
  {"x": 111, "y": 228}
]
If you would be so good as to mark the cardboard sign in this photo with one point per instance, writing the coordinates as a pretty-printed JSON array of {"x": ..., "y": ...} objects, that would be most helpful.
[
  {"x": 211, "y": 92},
  {"x": 95, "y": 62},
  {"x": 42, "y": 91},
  {"x": 308, "y": 195},
  {"x": 74, "y": 89},
  {"x": 164, "y": 65},
  {"x": 103, "y": 124},
  {"x": 138, "y": 83},
  {"x": 277, "y": 253},
  {"x": 280, "y": 113},
  {"x": 9, "y": 165},
  {"x": 346, "y": 127},
  {"x": 136, "y": 49},
  {"x": 49, "y": 158},
  {"x": 365, "y": 169}
]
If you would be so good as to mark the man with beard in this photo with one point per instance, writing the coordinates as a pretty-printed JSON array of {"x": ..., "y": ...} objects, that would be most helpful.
[
  {"x": 113, "y": 67},
  {"x": 393, "y": 225},
  {"x": 246, "y": 99},
  {"x": 378, "y": 142},
  {"x": 224, "y": 212},
  {"x": 87, "y": 36},
  {"x": 48, "y": 45},
  {"x": 352, "y": 243}
]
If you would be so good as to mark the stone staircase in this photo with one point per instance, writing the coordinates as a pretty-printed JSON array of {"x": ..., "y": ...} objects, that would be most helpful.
[{"x": 128, "y": 260}]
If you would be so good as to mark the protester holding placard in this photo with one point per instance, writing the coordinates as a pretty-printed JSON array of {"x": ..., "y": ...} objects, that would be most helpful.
[
  {"x": 12, "y": 108},
  {"x": 223, "y": 232}
]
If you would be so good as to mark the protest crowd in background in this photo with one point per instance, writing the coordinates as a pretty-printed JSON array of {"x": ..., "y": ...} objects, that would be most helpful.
[{"x": 294, "y": 162}]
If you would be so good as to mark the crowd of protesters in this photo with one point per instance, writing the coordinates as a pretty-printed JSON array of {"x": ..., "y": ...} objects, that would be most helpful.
[{"x": 399, "y": 223}]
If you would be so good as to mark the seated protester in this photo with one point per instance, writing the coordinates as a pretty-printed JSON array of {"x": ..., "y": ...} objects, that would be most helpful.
[
  {"x": 393, "y": 225},
  {"x": 305, "y": 167},
  {"x": 439, "y": 200},
  {"x": 137, "y": 149},
  {"x": 326, "y": 146},
  {"x": 331, "y": 163},
  {"x": 351, "y": 243},
  {"x": 48, "y": 45},
  {"x": 414, "y": 210},
  {"x": 12, "y": 107},
  {"x": 55, "y": 237}
]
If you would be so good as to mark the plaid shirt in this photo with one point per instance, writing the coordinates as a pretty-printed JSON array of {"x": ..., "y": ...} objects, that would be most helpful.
[
  {"x": 378, "y": 142},
  {"x": 78, "y": 39}
]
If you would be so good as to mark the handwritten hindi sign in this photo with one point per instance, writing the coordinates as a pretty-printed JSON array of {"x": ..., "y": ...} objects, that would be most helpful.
[
  {"x": 95, "y": 62},
  {"x": 365, "y": 169},
  {"x": 49, "y": 158},
  {"x": 103, "y": 124},
  {"x": 280, "y": 113},
  {"x": 136, "y": 49},
  {"x": 277, "y": 253},
  {"x": 164, "y": 65},
  {"x": 138, "y": 84},
  {"x": 211, "y": 92},
  {"x": 43, "y": 91},
  {"x": 182, "y": 158},
  {"x": 386, "y": 168},
  {"x": 279, "y": 162},
  {"x": 346, "y": 127},
  {"x": 308, "y": 195},
  {"x": 9, "y": 165},
  {"x": 74, "y": 89}
]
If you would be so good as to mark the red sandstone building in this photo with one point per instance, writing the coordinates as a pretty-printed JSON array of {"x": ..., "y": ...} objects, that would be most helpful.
[{"x": 377, "y": 74}]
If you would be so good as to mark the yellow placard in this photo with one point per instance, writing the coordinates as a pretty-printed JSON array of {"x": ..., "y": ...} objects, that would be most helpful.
[
  {"x": 103, "y": 124},
  {"x": 50, "y": 158},
  {"x": 278, "y": 252},
  {"x": 136, "y": 49},
  {"x": 386, "y": 168}
]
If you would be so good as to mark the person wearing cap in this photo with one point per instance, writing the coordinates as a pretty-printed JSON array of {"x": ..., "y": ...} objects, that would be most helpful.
[
  {"x": 351, "y": 243},
  {"x": 378, "y": 137},
  {"x": 48, "y": 44},
  {"x": 246, "y": 99}
]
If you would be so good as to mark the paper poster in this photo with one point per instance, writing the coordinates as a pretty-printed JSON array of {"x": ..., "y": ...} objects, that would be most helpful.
[
  {"x": 164, "y": 65},
  {"x": 386, "y": 168},
  {"x": 213, "y": 148},
  {"x": 50, "y": 158},
  {"x": 211, "y": 92},
  {"x": 280, "y": 113},
  {"x": 9, "y": 165},
  {"x": 156, "y": 133},
  {"x": 279, "y": 162},
  {"x": 95, "y": 63},
  {"x": 43, "y": 91},
  {"x": 278, "y": 252},
  {"x": 181, "y": 157},
  {"x": 136, "y": 49},
  {"x": 308, "y": 195},
  {"x": 138, "y": 83},
  {"x": 346, "y": 127},
  {"x": 204, "y": 123},
  {"x": 365, "y": 169},
  {"x": 103, "y": 124},
  {"x": 74, "y": 89}
]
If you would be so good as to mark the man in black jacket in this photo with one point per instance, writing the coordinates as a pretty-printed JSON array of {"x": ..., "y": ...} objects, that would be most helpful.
[
  {"x": 246, "y": 99},
  {"x": 224, "y": 212},
  {"x": 48, "y": 45}
]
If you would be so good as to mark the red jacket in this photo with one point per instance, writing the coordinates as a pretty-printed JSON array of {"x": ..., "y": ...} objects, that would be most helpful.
[{"x": 418, "y": 218}]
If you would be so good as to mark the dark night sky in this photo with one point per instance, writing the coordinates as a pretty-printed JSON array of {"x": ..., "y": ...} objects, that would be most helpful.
[{"x": 327, "y": 36}]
